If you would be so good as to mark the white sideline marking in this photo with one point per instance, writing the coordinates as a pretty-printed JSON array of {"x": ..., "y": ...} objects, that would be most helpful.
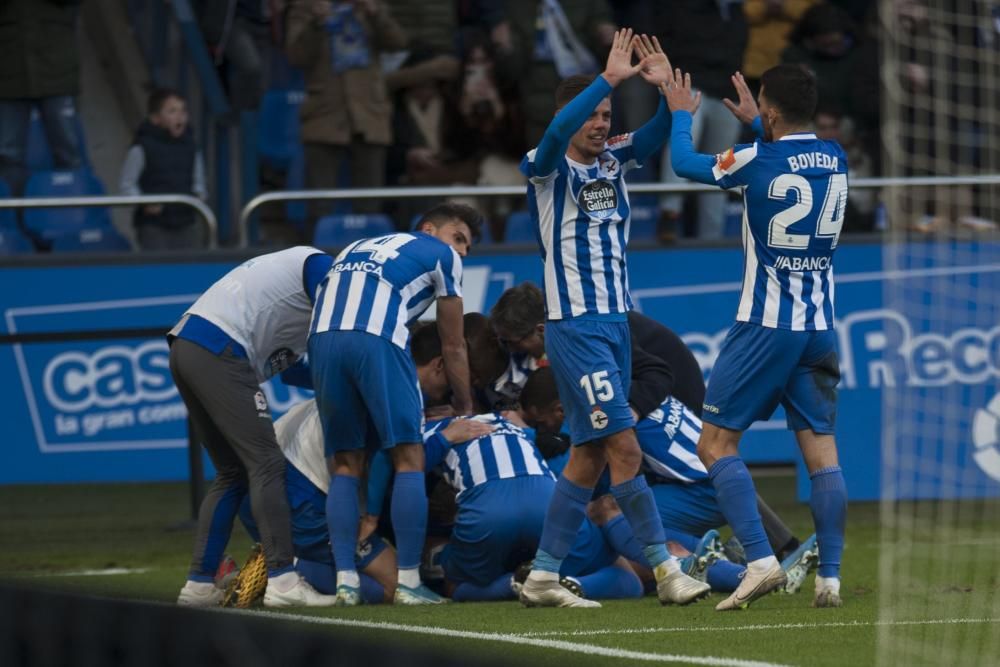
[
  {"x": 762, "y": 626},
  {"x": 519, "y": 639},
  {"x": 106, "y": 572}
]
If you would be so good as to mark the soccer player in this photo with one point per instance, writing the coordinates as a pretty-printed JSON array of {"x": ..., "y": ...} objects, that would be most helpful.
[
  {"x": 782, "y": 348},
  {"x": 248, "y": 326},
  {"x": 365, "y": 382},
  {"x": 579, "y": 201}
]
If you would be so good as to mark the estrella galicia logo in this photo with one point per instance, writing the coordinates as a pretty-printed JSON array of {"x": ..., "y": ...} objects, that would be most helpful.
[{"x": 599, "y": 199}]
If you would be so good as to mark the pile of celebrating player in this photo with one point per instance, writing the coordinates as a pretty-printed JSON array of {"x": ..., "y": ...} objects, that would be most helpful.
[{"x": 563, "y": 450}]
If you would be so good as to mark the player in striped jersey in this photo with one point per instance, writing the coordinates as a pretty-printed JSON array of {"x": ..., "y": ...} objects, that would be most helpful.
[
  {"x": 782, "y": 348},
  {"x": 363, "y": 374}
]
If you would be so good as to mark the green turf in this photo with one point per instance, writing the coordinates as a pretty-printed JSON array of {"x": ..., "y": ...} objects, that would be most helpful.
[{"x": 50, "y": 530}]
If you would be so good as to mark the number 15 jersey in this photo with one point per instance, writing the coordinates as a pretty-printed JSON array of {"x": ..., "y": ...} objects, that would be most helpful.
[
  {"x": 381, "y": 285},
  {"x": 794, "y": 199}
]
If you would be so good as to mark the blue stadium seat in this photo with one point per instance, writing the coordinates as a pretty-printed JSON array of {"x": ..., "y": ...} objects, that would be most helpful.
[
  {"x": 51, "y": 222},
  {"x": 91, "y": 239},
  {"x": 520, "y": 228},
  {"x": 643, "y": 227},
  {"x": 13, "y": 242},
  {"x": 278, "y": 127},
  {"x": 339, "y": 230},
  {"x": 8, "y": 217}
]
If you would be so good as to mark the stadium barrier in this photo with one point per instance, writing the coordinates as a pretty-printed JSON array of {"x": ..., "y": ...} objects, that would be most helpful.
[
  {"x": 99, "y": 408},
  {"x": 42, "y": 628},
  {"x": 246, "y": 215},
  {"x": 121, "y": 200}
]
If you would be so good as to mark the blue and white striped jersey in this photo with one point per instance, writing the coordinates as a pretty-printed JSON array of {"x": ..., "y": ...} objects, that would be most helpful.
[
  {"x": 383, "y": 284},
  {"x": 582, "y": 216},
  {"x": 668, "y": 437},
  {"x": 521, "y": 366},
  {"x": 502, "y": 454},
  {"x": 794, "y": 198}
]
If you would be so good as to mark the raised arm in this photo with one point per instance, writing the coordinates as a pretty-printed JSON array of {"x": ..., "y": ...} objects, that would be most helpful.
[
  {"x": 655, "y": 70},
  {"x": 745, "y": 108},
  {"x": 683, "y": 104},
  {"x": 571, "y": 117}
]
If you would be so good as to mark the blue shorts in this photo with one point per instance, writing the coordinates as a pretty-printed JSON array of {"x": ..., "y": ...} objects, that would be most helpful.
[
  {"x": 310, "y": 536},
  {"x": 688, "y": 508},
  {"x": 499, "y": 525},
  {"x": 759, "y": 368},
  {"x": 366, "y": 391},
  {"x": 592, "y": 364}
]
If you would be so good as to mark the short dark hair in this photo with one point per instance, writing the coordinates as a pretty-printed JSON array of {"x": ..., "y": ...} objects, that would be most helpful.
[
  {"x": 792, "y": 89},
  {"x": 425, "y": 343},
  {"x": 540, "y": 390},
  {"x": 570, "y": 87},
  {"x": 450, "y": 211},
  {"x": 159, "y": 97},
  {"x": 518, "y": 310},
  {"x": 487, "y": 358}
]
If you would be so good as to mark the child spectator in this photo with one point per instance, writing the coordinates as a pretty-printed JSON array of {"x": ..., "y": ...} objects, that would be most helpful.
[{"x": 164, "y": 159}]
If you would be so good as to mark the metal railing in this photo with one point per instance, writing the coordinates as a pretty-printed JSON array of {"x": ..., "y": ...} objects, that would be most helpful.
[
  {"x": 121, "y": 200},
  {"x": 517, "y": 190}
]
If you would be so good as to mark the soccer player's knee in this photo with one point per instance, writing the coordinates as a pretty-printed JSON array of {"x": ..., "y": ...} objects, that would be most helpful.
[
  {"x": 408, "y": 458},
  {"x": 603, "y": 510},
  {"x": 625, "y": 456}
]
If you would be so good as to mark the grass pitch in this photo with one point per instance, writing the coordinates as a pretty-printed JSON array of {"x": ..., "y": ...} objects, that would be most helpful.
[{"x": 76, "y": 537}]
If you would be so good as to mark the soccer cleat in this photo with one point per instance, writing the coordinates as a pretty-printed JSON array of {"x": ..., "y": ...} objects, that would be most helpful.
[
  {"x": 200, "y": 594},
  {"x": 302, "y": 594},
  {"x": 733, "y": 551},
  {"x": 708, "y": 551},
  {"x": 347, "y": 596},
  {"x": 754, "y": 586},
  {"x": 827, "y": 592},
  {"x": 416, "y": 596},
  {"x": 549, "y": 593},
  {"x": 247, "y": 587},
  {"x": 679, "y": 588},
  {"x": 799, "y": 564},
  {"x": 228, "y": 570}
]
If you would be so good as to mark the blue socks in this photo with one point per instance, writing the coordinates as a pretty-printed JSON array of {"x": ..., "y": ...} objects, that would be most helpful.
[
  {"x": 638, "y": 505},
  {"x": 343, "y": 519},
  {"x": 737, "y": 499},
  {"x": 619, "y": 535},
  {"x": 724, "y": 576},
  {"x": 562, "y": 521},
  {"x": 499, "y": 589},
  {"x": 828, "y": 503},
  {"x": 611, "y": 583},
  {"x": 409, "y": 517}
]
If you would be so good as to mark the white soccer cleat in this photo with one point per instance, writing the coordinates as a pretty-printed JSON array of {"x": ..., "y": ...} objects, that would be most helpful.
[
  {"x": 799, "y": 564},
  {"x": 420, "y": 595},
  {"x": 827, "y": 592},
  {"x": 302, "y": 594},
  {"x": 200, "y": 594},
  {"x": 675, "y": 587},
  {"x": 753, "y": 587},
  {"x": 550, "y": 593}
]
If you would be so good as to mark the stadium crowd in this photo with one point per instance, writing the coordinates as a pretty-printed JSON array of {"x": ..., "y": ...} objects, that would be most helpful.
[{"x": 450, "y": 92}]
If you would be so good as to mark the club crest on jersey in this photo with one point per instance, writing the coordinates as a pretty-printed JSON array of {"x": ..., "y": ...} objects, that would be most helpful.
[
  {"x": 598, "y": 199},
  {"x": 598, "y": 418},
  {"x": 608, "y": 166}
]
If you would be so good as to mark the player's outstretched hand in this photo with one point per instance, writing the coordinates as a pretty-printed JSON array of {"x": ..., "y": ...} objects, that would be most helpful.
[
  {"x": 654, "y": 64},
  {"x": 619, "y": 66},
  {"x": 745, "y": 109},
  {"x": 679, "y": 95},
  {"x": 463, "y": 430}
]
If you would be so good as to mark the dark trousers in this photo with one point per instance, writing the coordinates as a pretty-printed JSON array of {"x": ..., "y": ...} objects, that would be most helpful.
[
  {"x": 230, "y": 417},
  {"x": 59, "y": 121},
  {"x": 323, "y": 163}
]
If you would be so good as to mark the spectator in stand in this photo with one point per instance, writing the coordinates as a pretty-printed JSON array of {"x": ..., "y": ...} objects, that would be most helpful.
[
  {"x": 542, "y": 42},
  {"x": 825, "y": 41},
  {"x": 164, "y": 159},
  {"x": 238, "y": 33},
  {"x": 770, "y": 22},
  {"x": 433, "y": 24},
  {"x": 39, "y": 69},
  {"x": 706, "y": 38},
  {"x": 347, "y": 113},
  {"x": 831, "y": 125}
]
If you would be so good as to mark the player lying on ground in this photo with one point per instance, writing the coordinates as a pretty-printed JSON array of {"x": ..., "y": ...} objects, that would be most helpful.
[
  {"x": 363, "y": 374},
  {"x": 782, "y": 348},
  {"x": 685, "y": 499}
]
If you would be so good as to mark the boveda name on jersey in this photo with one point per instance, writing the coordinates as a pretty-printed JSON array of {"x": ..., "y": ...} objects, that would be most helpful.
[{"x": 598, "y": 198}]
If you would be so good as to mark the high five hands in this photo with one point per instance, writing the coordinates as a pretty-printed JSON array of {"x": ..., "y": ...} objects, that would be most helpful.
[
  {"x": 653, "y": 65},
  {"x": 679, "y": 94},
  {"x": 745, "y": 109}
]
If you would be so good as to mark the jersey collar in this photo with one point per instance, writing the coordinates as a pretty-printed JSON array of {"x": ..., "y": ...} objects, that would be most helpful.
[{"x": 798, "y": 136}]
